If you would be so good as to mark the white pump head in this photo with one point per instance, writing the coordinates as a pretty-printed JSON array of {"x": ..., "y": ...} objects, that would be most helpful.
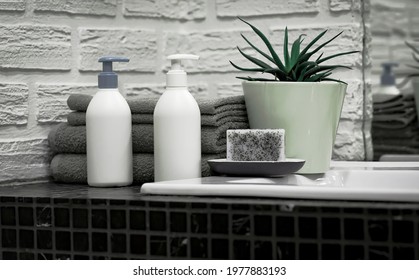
[{"x": 176, "y": 77}]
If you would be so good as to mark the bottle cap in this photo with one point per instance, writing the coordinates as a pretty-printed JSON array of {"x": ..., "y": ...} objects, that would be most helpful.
[
  {"x": 176, "y": 77},
  {"x": 107, "y": 78}
]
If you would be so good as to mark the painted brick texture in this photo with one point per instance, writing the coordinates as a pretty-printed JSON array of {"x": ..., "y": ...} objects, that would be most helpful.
[{"x": 50, "y": 49}]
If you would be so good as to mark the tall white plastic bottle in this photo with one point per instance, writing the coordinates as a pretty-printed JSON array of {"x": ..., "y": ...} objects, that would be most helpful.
[
  {"x": 177, "y": 127},
  {"x": 108, "y": 127}
]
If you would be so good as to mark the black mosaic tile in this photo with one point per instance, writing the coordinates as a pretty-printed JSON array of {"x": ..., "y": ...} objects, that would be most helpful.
[
  {"x": 354, "y": 229},
  {"x": 44, "y": 239},
  {"x": 404, "y": 253},
  {"x": 378, "y": 230},
  {"x": 354, "y": 252},
  {"x": 118, "y": 219},
  {"x": 158, "y": 246},
  {"x": 241, "y": 224},
  {"x": 26, "y": 256},
  {"x": 157, "y": 204},
  {"x": 9, "y": 256},
  {"x": 331, "y": 251},
  {"x": 25, "y": 216},
  {"x": 8, "y": 216},
  {"x": 263, "y": 250},
  {"x": 178, "y": 247},
  {"x": 307, "y": 227},
  {"x": 43, "y": 200},
  {"x": 81, "y": 257},
  {"x": 26, "y": 239},
  {"x": 8, "y": 238},
  {"x": 219, "y": 249},
  {"x": 219, "y": 223},
  {"x": 117, "y": 202},
  {"x": 177, "y": 205},
  {"x": 99, "y": 218},
  {"x": 63, "y": 257},
  {"x": 99, "y": 202},
  {"x": 199, "y": 223},
  {"x": 353, "y": 210},
  {"x": 99, "y": 242},
  {"x": 263, "y": 225},
  {"x": 63, "y": 240},
  {"x": 79, "y": 201},
  {"x": 61, "y": 201},
  {"x": 178, "y": 222},
  {"x": 284, "y": 226},
  {"x": 219, "y": 206},
  {"x": 403, "y": 231},
  {"x": 61, "y": 217},
  {"x": 331, "y": 228},
  {"x": 199, "y": 248},
  {"x": 80, "y": 218},
  {"x": 80, "y": 241},
  {"x": 118, "y": 243},
  {"x": 43, "y": 217},
  {"x": 378, "y": 253},
  {"x": 198, "y": 205},
  {"x": 137, "y": 203},
  {"x": 330, "y": 209},
  {"x": 241, "y": 249},
  {"x": 45, "y": 256},
  {"x": 240, "y": 206},
  {"x": 157, "y": 220},
  {"x": 138, "y": 244},
  {"x": 137, "y": 219},
  {"x": 308, "y": 251},
  {"x": 285, "y": 250},
  {"x": 7, "y": 199}
]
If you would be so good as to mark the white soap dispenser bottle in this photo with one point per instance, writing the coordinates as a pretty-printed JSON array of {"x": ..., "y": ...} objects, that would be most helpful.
[
  {"x": 177, "y": 127},
  {"x": 108, "y": 132}
]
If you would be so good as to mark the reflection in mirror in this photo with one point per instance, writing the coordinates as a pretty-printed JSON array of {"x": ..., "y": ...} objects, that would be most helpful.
[{"x": 395, "y": 39}]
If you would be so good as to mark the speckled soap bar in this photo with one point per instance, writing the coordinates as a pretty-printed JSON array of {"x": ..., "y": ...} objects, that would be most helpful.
[{"x": 256, "y": 145}]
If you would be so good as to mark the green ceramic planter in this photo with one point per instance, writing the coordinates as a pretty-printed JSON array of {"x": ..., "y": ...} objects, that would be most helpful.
[{"x": 308, "y": 111}]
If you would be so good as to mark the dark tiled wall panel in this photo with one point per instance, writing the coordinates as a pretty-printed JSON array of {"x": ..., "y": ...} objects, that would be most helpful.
[{"x": 47, "y": 228}]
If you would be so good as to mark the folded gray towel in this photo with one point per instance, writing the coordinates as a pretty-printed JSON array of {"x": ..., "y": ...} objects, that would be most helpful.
[
  {"x": 394, "y": 121},
  {"x": 72, "y": 168},
  {"x": 399, "y": 102},
  {"x": 72, "y": 139},
  {"x": 380, "y": 150},
  {"x": 77, "y": 118},
  {"x": 140, "y": 105},
  {"x": 412, "y": 130}
]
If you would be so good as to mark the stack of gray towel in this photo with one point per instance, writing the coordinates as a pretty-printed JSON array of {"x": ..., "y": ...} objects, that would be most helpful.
[
  {"x": 394, "y": 127},
  {"x": 68, "y": 140}
]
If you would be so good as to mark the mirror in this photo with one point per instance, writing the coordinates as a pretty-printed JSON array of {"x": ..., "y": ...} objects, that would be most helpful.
[{"x": 395, "y": 129}]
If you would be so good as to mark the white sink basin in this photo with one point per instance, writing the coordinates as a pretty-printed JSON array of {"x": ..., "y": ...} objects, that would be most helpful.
[{"x": 375, "y": 181}]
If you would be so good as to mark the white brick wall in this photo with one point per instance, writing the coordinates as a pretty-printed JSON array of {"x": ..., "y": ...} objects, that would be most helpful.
[{"x": 49, "y": 50}]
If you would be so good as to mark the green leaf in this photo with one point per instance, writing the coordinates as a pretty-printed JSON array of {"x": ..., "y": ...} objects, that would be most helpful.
[
  {"x": 295, "y": 52},
  {"x": 254, "y": 60},
  {"x": 286, "y": 54},
  {"x": 333, "y": 56},
  {"x": 258, "y": 50},
  {"x": 323, "y": 68},
  {"x": 334, "y": 80},
  {"x": 321, "y": 46},
  {"x": 275, "y": 56},
  {"x": 309, "y": 45},
  {"x": 247, "y": 69},
  {"x": 255, "y": 79}
]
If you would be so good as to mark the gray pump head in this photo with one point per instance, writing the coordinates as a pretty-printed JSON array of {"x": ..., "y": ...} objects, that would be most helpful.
[
  {"x": 387, "y": 77},
  {"x": 107, "y": 78}
]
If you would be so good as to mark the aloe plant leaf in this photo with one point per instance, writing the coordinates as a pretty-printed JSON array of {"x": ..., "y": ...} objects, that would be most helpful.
[
  {"x": 333, "y": 56},
  {"x": 412, "y": 47},
  {"x": 286, "y": 53},
  {"x": 256, "y": 61},
  {"x": 255, "y": 79},
  {"x": 334, "y": 80},
  {"x": 308, "y": 55},
  {"x": 323, "y": 68},
  {"x": 309, "y": 45},
  {"x": 295, "y": 52},
  {"x": 258, "y": 50},
  {"x": 275, "y": 56},
  {"x": 247, "y": 69},
  {"x": 320, "y": 56}
]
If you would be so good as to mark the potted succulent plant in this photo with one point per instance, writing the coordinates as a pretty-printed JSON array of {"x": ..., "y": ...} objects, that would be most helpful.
[{"x": 301, "y": 97}]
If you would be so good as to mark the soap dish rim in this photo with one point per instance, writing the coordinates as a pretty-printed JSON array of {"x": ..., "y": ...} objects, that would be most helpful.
[{"x": 255, "y": 168}]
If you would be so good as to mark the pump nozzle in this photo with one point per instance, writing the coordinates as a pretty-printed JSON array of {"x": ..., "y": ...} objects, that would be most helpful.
[
  {"x": 176, "y": 77},
  {"x": 107, "y": 78},
  {"x": 387, "y": 77}
]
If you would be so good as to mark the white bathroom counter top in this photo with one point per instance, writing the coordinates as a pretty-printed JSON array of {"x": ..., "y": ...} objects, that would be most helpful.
[{"x": 356, "y": 181}]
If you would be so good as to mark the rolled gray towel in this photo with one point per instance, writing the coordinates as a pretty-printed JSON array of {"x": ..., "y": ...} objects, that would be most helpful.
[
  {"x": 72, "y": 139},
  {"x": 398, "y": 102},
  {"x": 410, "y": 131},
  {"x": 77, "y": 118},
  {"x": 72, "y": 168},
  {"x": 141, "y": 105}
]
